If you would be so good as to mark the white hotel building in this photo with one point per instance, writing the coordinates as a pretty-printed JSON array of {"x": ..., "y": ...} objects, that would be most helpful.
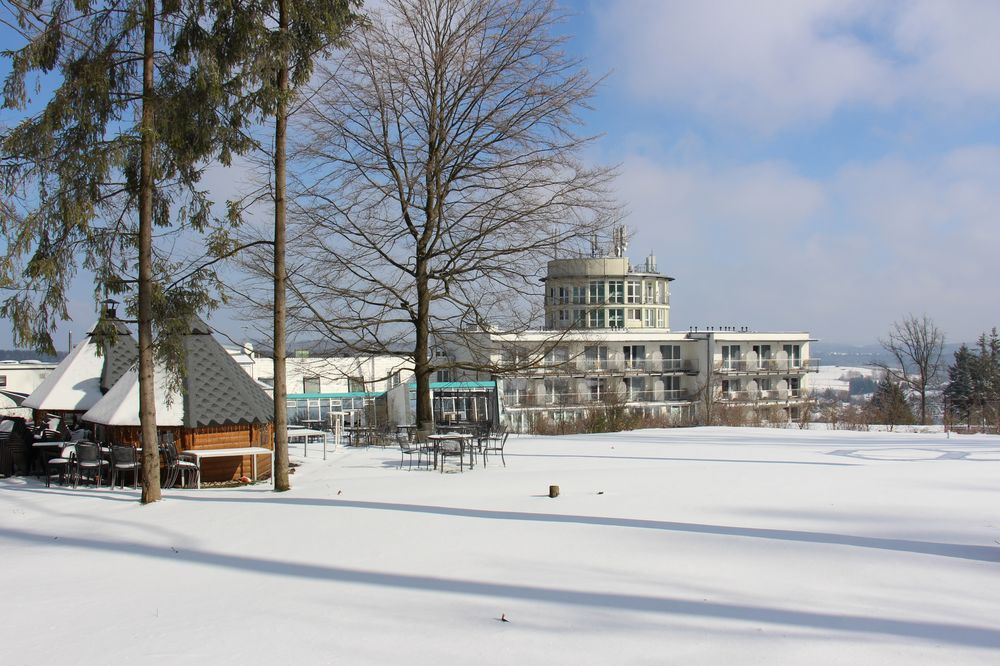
[{"x": 607, "y": 337}]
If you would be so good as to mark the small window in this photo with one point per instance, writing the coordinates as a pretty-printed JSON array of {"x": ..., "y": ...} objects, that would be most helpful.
[
  {"x": 616, "y": 291},
  {"x": 355, "y": 385},
  {"x": 634, "y": 293},
  {"x": 3, "y": 380},
  {"x": 596, "y": 291},
  {"x": 310, "y": 384}
]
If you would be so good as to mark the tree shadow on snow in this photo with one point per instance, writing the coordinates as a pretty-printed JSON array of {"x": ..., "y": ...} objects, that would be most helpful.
[{"x": 939, "y": 632}]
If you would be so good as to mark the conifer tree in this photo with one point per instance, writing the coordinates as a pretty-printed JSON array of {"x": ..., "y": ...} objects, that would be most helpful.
[
  {"x": 960, "y": 393},
  {"x": 115, "y": 152},
  {"x": 889, "y": 405}
]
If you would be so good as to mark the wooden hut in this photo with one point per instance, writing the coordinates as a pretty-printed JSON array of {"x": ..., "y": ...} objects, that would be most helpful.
[{"x": 219, "y": 406}]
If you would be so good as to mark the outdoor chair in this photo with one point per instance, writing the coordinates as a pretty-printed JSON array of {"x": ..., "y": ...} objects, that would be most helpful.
[
  {"x": 177, "y": 466},
  {"x": 495, "y": 444},
  {"x": 451, "y": 448},
  {"x": 15, "y": 447},
  {"x": 61, "y": 464},
  {"x": 123, "y": 459},
  {"x": 408, "y": 449},
  {"x": 88, "y": 461}
]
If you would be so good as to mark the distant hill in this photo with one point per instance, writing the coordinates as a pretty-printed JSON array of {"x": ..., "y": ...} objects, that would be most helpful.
[
  {"x": 832, "y": 353},
  {"x": 28, "y": 355}
]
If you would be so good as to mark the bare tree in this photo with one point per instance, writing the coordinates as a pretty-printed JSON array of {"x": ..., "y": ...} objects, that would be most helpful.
[
  {"x": 915, "y": 345},
  {"x": 439, "y": 168}
]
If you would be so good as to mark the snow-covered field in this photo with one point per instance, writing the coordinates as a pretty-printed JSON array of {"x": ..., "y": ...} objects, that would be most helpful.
[
  {"x": 836, "y": 377},
  {"x": 686, "y": 546}
]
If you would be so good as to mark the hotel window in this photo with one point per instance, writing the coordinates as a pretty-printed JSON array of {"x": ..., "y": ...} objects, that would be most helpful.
[
  {"x": 649, "y": 317},
  {"x": 597, "y": 387},
  {"x": 635, "y": 313},
  {"x": 616, "y": 291},
  {"x": 636, "y": 387},
  {"x": 730, "y": 357},
  {"x": 597, "y": 291},
  {"x": 671, "y": 388},
  {"x": 596, "y": 357},
  {"x": 563, "y": 317},
  {"x": 633, "y": 291},
  {"x": 579, "y": 317},
  {"x": 635, "y": 355},
  {"x": 557, "y": 356},
  {"x": 579, "y": 295},
  {"x": 556, "y": 391},
  {"x": 730, "y": 387},
  {"x": 310, "y": 384},
  {"x": 616, "y": 318},
  {"x": 563, "y": 295},
  {"x": 794, "y": 355},
  {"x": 763, "y": 356},
  {"x": 650, "y": 292},
  {"x": 671, "y": 355},
  {"x": 595, "y": 318},
  {"x": 661, "y": 319}
]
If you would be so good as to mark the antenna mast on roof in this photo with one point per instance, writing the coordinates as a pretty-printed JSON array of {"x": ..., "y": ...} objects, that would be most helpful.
[{"x": 620, "y": 241}]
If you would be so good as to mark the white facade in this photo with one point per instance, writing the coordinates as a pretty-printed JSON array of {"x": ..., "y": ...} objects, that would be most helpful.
[
  {"x": 21, "y": 377},
  {"x": 616, "y": 346},
  {"x": 319, "y": 386}
]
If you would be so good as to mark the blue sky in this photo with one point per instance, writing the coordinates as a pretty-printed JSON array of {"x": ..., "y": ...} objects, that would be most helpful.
[{"x": 798, "y": 165}]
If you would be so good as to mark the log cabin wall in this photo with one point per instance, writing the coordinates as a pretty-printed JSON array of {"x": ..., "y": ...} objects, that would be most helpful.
[{"x": 215, "y": 437}]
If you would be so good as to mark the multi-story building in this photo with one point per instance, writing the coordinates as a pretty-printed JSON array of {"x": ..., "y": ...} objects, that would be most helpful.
[
  {"x": 607, "y": 340},
  {"x": 323, "y": 383}
]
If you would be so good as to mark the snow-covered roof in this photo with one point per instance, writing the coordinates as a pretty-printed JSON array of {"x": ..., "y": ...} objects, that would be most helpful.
[
  {"x": 79, "y": 381},
  {"x": 216, "y": 391},
  {"x": 120, "y": 405}
]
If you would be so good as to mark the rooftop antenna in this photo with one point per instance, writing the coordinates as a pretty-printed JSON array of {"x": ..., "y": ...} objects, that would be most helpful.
[{"x": 620, "y": 241}]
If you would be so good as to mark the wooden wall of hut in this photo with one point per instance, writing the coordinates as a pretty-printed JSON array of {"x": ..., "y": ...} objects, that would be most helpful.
[{"x": 215, "y": 437}]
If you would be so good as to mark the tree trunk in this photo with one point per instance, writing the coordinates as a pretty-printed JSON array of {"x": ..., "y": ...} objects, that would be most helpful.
[
  {"x": 421, "y": 358},
  {"x": 280, "y": 470},
  {"x": 147, "y": 400}
]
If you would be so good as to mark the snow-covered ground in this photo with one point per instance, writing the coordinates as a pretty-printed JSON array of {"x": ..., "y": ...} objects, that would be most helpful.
[
  {"x": 686, "y": 546},
  {"x": 837, "y": 377}
]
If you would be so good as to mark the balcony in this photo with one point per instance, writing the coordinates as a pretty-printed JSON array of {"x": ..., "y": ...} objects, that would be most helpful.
[
  {"x": 619, "y": 367},
  {"x": 589, "y": 399},
  {"x": 755, "y": 397},
  {"x": 767, "y": 366}
]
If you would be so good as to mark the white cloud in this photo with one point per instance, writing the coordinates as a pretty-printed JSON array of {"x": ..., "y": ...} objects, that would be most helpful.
[
  {"x": 773, "y": 65},
  {"x": 843, "y": 257}
]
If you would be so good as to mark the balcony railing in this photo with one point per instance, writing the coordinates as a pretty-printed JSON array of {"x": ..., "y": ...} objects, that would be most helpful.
[
  {"x": 585, "y": 399},
  {"x": 773, "y": 395},
  {"x": 596, "y": 367},
  {"x": 767, "y": 365},
  {"x": 604, "y": 302}
]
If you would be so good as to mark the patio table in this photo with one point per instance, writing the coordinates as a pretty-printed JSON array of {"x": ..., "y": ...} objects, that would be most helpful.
[
  {"x": 252, "y": 451},
  {"x": 304, "y": 435},
  {"x": 463, "y": 438}
]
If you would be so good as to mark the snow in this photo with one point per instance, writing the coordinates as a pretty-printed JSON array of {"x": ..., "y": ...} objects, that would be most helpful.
[
  {"x": 837, "y": 377},
  {"x": 698, "y": 545}
]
